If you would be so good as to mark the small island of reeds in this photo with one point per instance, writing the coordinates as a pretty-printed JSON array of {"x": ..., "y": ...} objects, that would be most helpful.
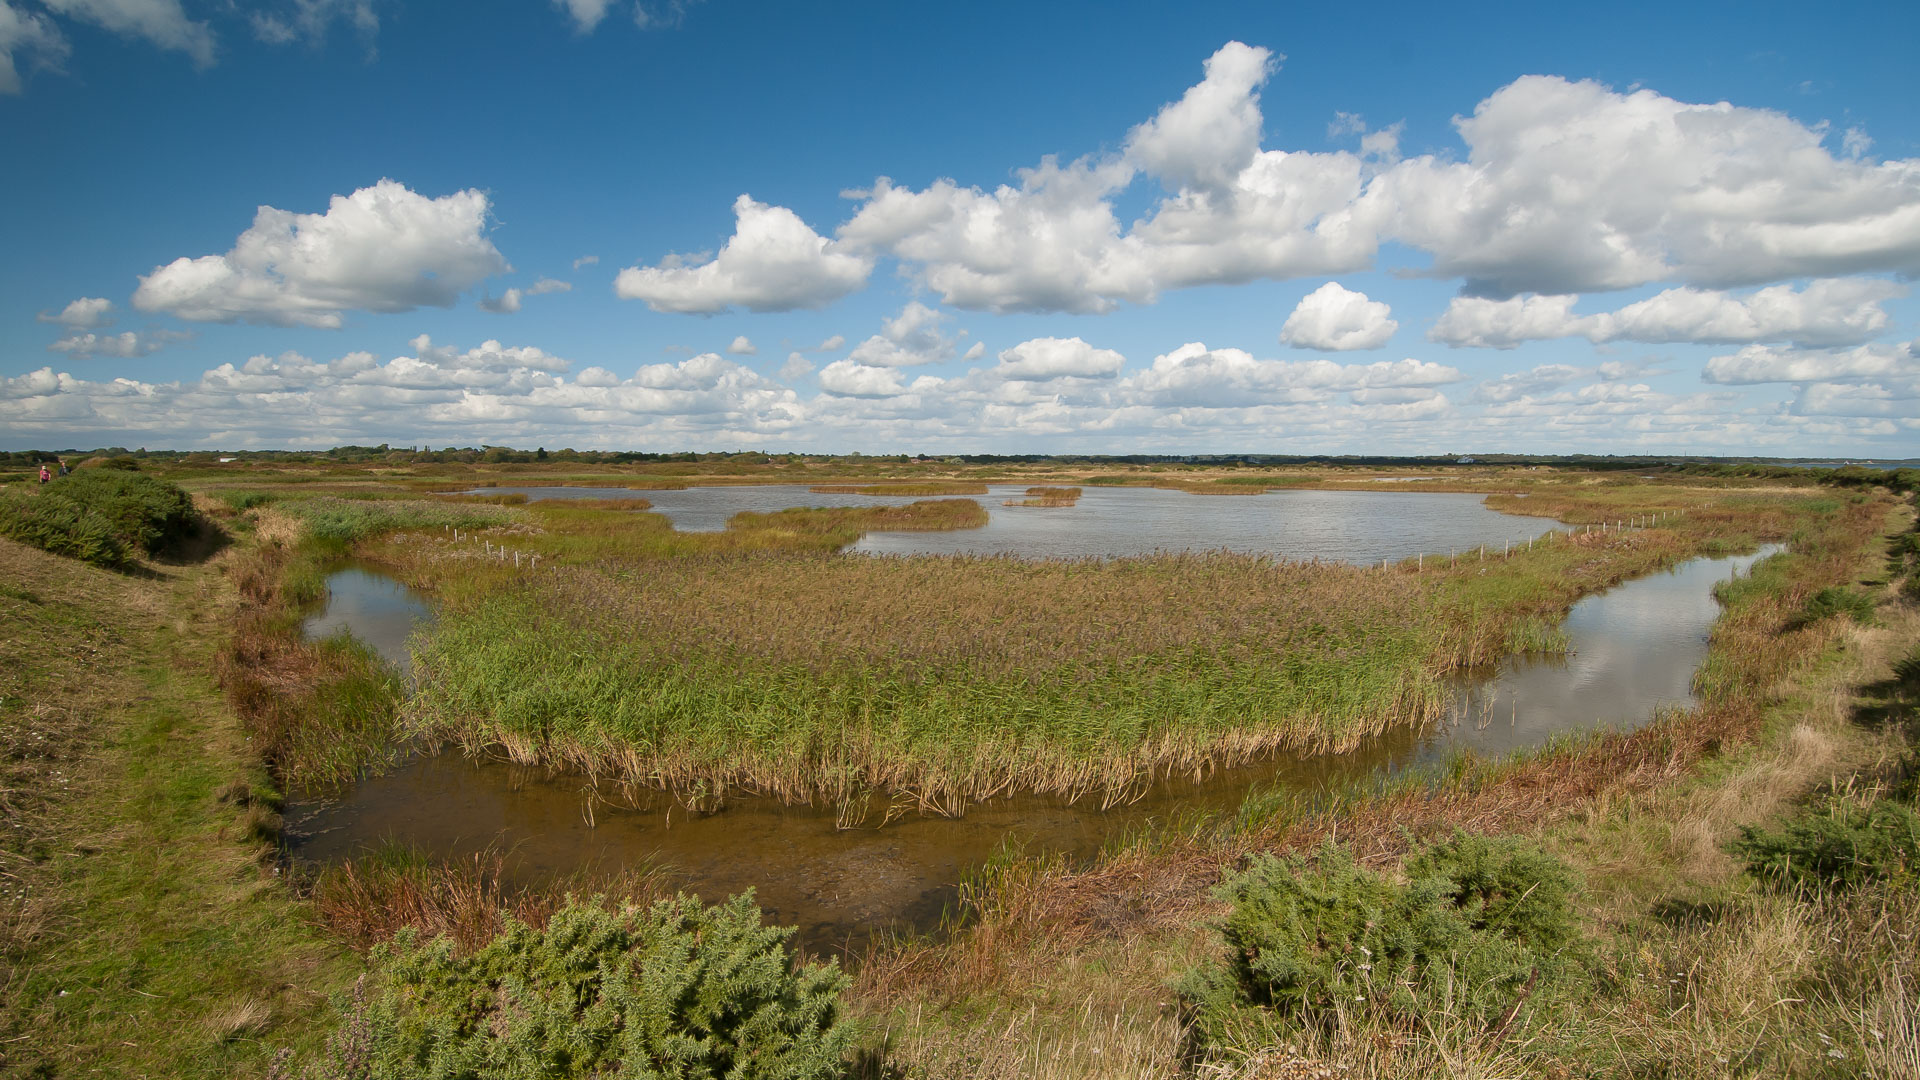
[{"x": 1047, "y": 496}]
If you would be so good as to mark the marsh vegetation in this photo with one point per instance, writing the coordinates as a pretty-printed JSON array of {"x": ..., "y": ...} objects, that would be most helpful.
[{"x": 759, "y": 657}]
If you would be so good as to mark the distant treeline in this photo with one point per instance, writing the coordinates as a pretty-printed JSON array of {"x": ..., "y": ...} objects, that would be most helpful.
[{"x": 386, "y": 452}]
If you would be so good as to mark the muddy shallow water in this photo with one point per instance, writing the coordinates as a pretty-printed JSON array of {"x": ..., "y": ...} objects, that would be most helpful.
[{"x": 1635, "y": 649}]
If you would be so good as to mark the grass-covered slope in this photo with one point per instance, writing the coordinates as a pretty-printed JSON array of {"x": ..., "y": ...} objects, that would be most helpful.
[{"x": 144, "y": 930}]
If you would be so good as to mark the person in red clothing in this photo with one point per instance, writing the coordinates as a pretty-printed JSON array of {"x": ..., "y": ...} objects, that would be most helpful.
[{"x": 45, "y": 473}]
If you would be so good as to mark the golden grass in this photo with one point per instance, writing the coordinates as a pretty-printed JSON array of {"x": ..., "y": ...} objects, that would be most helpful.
[
  {"x": 1047, "y": 496},
  {"x": 945, "y": 487}
]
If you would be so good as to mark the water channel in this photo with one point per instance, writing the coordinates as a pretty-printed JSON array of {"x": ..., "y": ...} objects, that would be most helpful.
[{"x": 1634, "y": 650}]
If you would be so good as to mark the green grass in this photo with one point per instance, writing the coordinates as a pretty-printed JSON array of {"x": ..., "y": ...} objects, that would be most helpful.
[
  {"x": 334, "y": 523},
  {"x": 145, "y": 932}
]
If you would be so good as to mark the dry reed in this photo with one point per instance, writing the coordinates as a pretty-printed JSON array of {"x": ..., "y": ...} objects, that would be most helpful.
[
  {"x": 1047, "y": 496},
  {"x": 366, "y": 901}
]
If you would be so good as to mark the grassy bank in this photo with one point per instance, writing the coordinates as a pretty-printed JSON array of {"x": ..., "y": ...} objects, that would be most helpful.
[
  {"x": 814, "y": 676},
  {"x": 144, "y": 928}
]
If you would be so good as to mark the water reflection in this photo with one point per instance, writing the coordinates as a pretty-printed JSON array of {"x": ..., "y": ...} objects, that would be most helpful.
[
  {"x": 372, "y": 607},
  {"x": 1345, "y": 526}
]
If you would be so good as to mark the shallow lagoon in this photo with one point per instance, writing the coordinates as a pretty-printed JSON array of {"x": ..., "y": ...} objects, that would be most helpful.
[{"x": 1346, "y": 526}]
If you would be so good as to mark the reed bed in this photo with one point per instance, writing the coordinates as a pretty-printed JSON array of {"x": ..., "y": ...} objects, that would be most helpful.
[
  {"x": 1047, "y": 496},
  {"x": 335, "y": 522},
  {"x": 941, "y": 487},
  {"x": 624, "y": 505},
  {"x": 949, "y": 680}
]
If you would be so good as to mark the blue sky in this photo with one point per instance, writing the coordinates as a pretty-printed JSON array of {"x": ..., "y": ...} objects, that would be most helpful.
[{"x": 1108, "y": 228}]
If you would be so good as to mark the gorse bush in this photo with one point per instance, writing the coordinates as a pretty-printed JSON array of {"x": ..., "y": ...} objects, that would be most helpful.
[
  {"x": 102, "y": 516},
  {"x": 1480, "y": 926},
  {"x": 62, "y": 527},
  {"x": 1839, "y": 600},
  {"x": 677, "y": 990},
  {"x": 248, "y": 500},
  {"x": 1834, "y": 847}
]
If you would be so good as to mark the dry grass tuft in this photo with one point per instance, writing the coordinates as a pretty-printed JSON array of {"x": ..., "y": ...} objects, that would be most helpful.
[
  {"x": 241, "y": 1016},
  {"x": 366, "y": 901}
]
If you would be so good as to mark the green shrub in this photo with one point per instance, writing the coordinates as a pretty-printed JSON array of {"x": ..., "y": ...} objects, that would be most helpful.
[
  {"x": 677, "y": 990},
  {"x": 1480, "y": 925},
  {"x": 145, "y": 511},
  {"x": 99, "y": 516},
  {"x": 1834, "y": 847},
  {"x": 1839, "y": 600},
  {"x": 247, "y": 500},
  {"x": 62, "y": 527}
]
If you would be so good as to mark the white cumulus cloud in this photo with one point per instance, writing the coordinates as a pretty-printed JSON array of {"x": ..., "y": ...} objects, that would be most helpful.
[
  {"x": 909, "y": 339},
  {"x": 850, "y": 378},
  {"x": 1771, "y": 364},
  {"x": 743, "y": 347},
  {"x": 1196, "y": 375},
  {"x": 125, "y": 345},
  {"x": 383, "y": 248},
  {"x": 1204, "y": 141},
  {"x": 1573, "y": 187},
  {"x": 773, "y": 262},
  {"x": 1831, "y": 311},
  {"x": 1565, "y": 187},
  {"x": 86, "y": 313},
  {"x": 1336, "y": 319},
  {"x": 1052, "y": 358}
]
